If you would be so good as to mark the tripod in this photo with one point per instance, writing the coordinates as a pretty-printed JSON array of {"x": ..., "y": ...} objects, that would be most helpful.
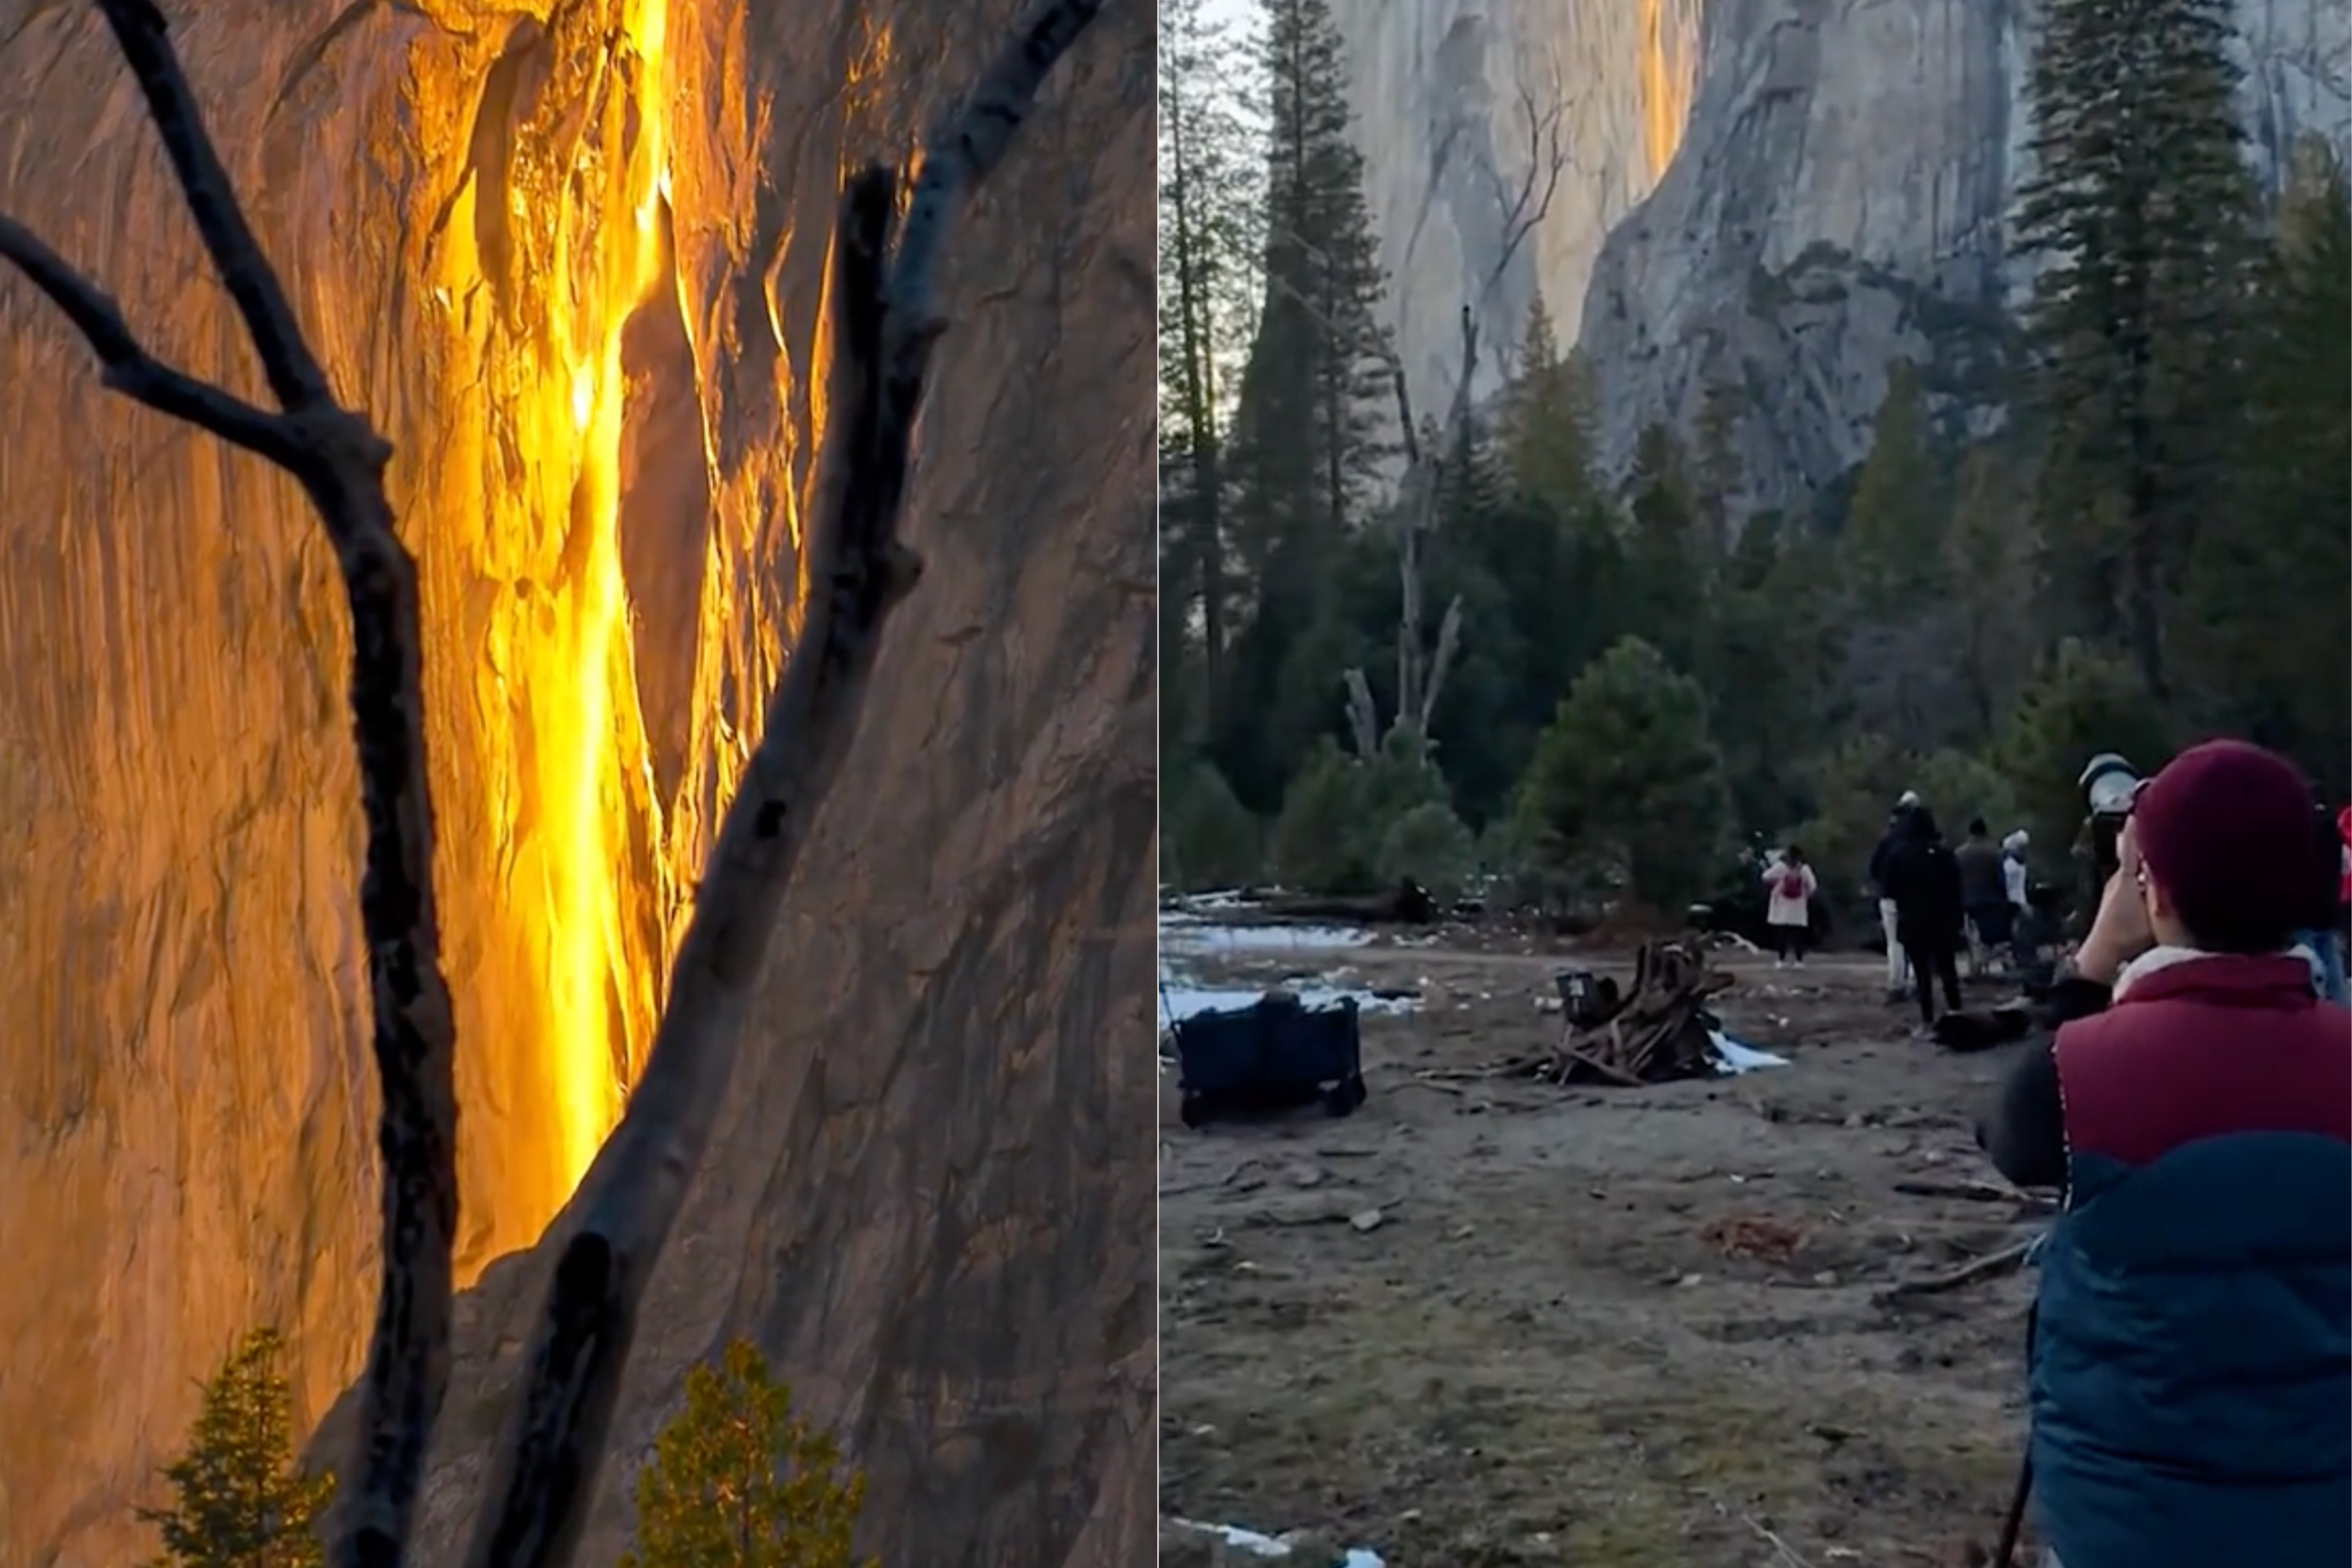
[{"x": 2005, "y": 1554}]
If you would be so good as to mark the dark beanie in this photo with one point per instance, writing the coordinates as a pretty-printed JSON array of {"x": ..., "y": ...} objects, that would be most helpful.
[{"x": 2225, "y": 830}]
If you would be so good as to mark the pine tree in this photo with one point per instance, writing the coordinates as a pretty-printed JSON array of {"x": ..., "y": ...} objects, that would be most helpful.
[
  {"x": 738, "y": 1481},
  {"x": 1322, "y": 262},
  {"x": 2141, "y": 210},
  {"x": 1894, "y": 524},
  {"x": 1628, "y": 773},
  {"x": 1668, "y": 564},
  {"x": 1989, "y": 557},
  {"x": 1209, "y": 208},
  {"x": 242, "y": 1502},
  {"x": 1471, "y": 483},
  {"x": 1717, "y": 479},
  {"x": 1548, "y": 431},
  {"x": 1308, "y": 446},
  {"x": 2268, "y": 620}
]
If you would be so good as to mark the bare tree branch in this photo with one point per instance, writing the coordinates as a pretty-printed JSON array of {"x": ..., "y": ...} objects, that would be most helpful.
[
  {"x": 339, "y": 458},
  {"x": 293, "y": 370},
  {"x": 1548, "y": 155},
  {"x": 130, "y": 369},
  {"x": 1416, "y": 699},
  {"x": 1419, "y": 678},
  {"x": 886, "y": 325}
]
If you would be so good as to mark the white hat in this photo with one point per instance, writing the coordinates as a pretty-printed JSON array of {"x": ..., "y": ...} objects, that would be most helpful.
[{"x": 1909, "y": 797}]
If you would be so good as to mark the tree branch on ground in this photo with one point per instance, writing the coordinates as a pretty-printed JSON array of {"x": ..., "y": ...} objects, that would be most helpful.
[
  {"x": 886, "y": 322},
  {"x": 1991, "y": 1266}
]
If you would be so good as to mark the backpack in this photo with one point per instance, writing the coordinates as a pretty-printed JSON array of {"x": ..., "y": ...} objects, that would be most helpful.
[{"x": 1793, "y": 884}]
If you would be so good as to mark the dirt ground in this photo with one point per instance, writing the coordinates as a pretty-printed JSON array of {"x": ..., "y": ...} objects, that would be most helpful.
[{"x": 1552, "y": 1347}]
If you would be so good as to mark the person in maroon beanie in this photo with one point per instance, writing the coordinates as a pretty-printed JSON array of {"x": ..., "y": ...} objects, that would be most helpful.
[{"x": 2191, "y": 1354}]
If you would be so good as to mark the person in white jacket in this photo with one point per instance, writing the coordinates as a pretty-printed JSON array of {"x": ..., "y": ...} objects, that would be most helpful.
[
  {"x": 1790, "y": 884},
  {"x": 2023, "y": 949}
]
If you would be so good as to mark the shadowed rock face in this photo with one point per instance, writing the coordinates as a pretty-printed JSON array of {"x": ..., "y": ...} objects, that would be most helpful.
[
  {"x": 1775, "y": 195},
  {"x": 931, "y": 1199},
  {"x": 1841, "y": 200}
]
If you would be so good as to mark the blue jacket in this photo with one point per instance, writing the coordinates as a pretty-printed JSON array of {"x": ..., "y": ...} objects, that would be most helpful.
[{"x": 2191, "y": 1368}]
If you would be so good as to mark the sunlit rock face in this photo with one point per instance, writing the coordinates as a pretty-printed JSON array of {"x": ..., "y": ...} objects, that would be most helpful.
[
  {"x": 1440, "y": 89},
  {"x": 574, "y": 268},
  {"x": 1840, "y": 200}
]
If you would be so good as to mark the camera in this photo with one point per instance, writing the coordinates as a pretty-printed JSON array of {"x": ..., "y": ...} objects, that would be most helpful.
[{"x": 2109, "y": 785}]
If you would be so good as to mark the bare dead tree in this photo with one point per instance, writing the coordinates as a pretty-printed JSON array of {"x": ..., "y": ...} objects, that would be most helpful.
[
  {"x": 1421, "y": 671},
  {"x": 1523, "y": 209},
  {"x": 886, "y": 322},
  {"x": 1363, "y": 715}
]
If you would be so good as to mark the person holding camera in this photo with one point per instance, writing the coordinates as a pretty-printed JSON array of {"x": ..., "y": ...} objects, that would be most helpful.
[{"x": 2190, "y": 1357}]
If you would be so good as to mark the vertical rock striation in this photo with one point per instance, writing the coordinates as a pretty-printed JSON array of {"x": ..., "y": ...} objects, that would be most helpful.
[{"x": 928, "y": 1202}]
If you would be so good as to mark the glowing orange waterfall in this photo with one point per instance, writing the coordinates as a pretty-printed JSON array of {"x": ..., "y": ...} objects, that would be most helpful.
[
  {"x": 567, "y": 981},
  {"x": 1669, "y": 76},
  {"x": 601, "y": 1004}
]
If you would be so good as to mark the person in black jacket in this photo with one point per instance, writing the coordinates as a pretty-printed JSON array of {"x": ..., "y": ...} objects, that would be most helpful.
[
  {"x": 1898, "y": 972},
  {"x": 1924, "y": 880}
]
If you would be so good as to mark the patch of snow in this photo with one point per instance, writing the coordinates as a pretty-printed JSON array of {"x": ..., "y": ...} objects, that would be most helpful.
[
  {"x": 1187, "y": 941},
  {"x": 1216, "y": 898},
  {"x": 1190, "y": 934},
  {"x": 1259, "y": 1545},
  {"x": 1733, "y": 1057}
]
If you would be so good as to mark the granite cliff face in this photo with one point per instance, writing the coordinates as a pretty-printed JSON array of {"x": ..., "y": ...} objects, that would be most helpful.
[
  {"x": 1777, "y": 196},
  {"x": 572, "y": 263},
  {"x": 1840, "y": 201},
  {"x": 1440, "y": 90}
]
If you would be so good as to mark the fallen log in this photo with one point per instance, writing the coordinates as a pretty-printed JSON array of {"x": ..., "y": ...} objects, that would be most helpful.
[{"x": 1407, "y": 903}]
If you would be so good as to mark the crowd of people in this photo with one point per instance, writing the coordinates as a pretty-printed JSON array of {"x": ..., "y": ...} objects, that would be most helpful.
[
  {"x": 1939, "y": 904},
  {"x": 2189, "y": 1352}
]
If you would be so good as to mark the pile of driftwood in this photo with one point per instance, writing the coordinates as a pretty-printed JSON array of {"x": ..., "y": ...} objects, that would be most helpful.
[{"x": 1653, "y": 1031}]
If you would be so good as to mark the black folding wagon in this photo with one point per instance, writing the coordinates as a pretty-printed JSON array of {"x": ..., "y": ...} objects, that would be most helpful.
[{"x": 1275, "y": 1056}]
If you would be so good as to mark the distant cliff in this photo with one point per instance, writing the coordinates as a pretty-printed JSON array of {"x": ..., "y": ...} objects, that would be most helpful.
[
  {"x": 961, "y": 987},
  {"x": 1440, "y": 91},
  {"x": 1839, "y": 177},
  {"x": 1841, "y": 200}
]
